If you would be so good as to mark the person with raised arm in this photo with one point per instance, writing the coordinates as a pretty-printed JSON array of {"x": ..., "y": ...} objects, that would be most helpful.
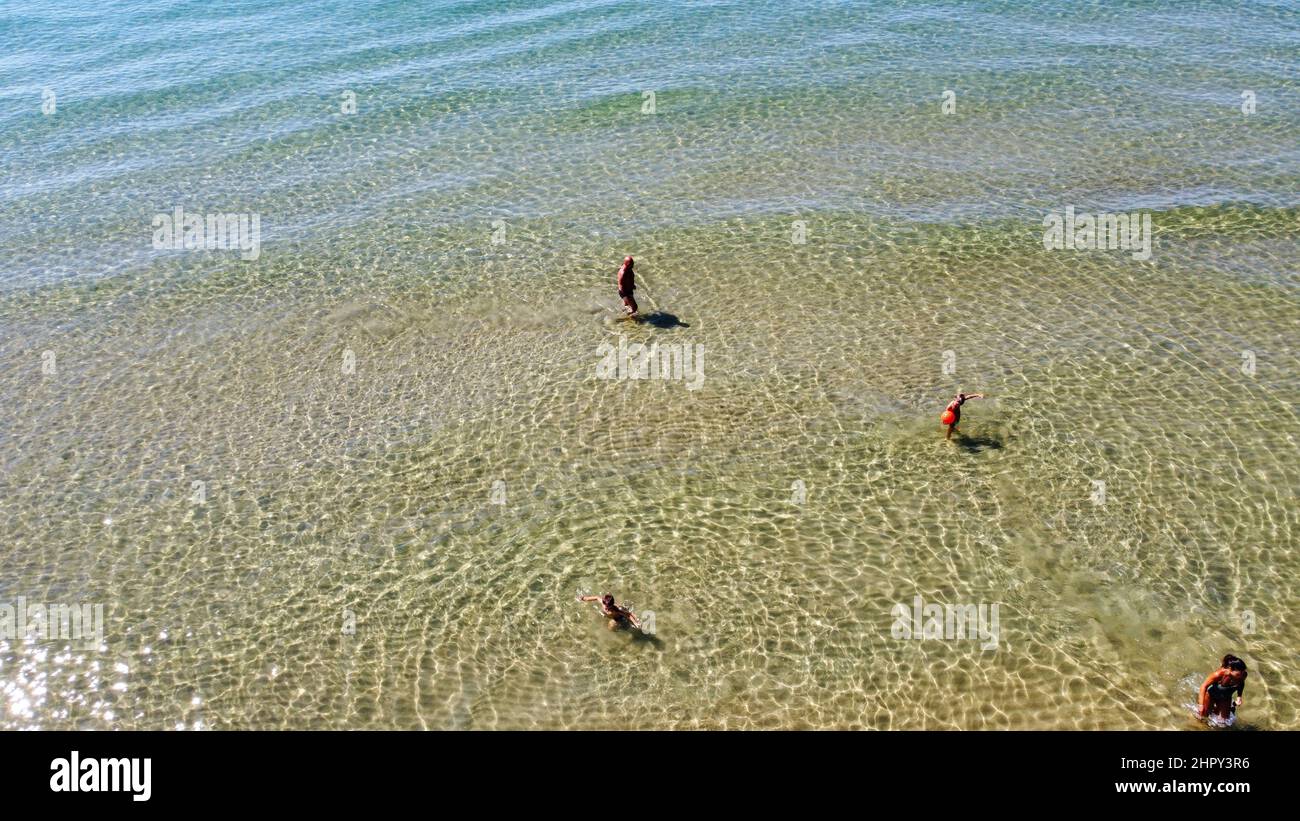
[
  {"x": 619, "y": 617},
  {"x": 952, "y": 414}
]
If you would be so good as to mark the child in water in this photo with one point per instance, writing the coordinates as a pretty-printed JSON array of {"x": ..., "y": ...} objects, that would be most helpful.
[{"x": 952, "y": 413}]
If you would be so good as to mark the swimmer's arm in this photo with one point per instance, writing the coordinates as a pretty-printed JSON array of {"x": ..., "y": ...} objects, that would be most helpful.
[
  {"x": 588, "y": 598},
  {"x": 970, "y": 396},
  {"x": 627, "y": 614},
  {"x": 1205, "y": 693}
]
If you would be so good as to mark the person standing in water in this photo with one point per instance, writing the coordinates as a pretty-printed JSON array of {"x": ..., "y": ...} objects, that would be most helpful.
[
  {"x": 952, "y": 413},
  {"x": 626, "y": 285},
  {"x": 1222, "y": 692},
  {"x": 618, "y": 616}
]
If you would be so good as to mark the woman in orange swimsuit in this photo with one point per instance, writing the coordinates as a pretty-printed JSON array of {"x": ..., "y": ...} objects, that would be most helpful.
[{"x": 952, "y": 414}]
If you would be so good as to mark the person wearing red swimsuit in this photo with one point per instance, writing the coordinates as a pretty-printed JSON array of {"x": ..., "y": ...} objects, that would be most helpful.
[{"x": 952, "y": 413}]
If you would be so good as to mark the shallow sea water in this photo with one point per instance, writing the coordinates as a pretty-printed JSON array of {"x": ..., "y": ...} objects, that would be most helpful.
[{"x": 349, "y": 402}]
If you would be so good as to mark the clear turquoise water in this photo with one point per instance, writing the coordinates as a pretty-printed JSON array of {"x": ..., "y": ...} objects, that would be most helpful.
[{"x": 370, "y": 491}]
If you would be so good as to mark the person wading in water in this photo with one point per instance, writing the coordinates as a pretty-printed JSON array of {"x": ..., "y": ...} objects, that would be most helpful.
[
  {"x": 626, "y": 285},
  {"x": 952, "y": 413},
  {"x": 1222, "y": 692},
  {"x": 619, "y": 617}
]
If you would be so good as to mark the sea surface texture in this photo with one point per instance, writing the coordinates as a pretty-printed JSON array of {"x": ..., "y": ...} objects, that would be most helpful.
[{"x": 354, "y": 474}]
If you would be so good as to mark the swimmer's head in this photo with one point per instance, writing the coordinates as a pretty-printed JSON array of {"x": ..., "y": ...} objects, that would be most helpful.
[
  {"x": 607, "y": 599},
  {"x": 627, "y": 261},
  {"x": 1233, "y": 663}
]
